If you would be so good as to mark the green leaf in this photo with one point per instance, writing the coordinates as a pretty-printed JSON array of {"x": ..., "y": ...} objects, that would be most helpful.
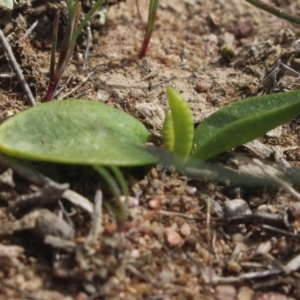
[
  {"x": 76, "y": 132},
  {"x": 168, "y": 132},
  {"x": 183, "y": 125},
  {"x": 243, "y": 121}
]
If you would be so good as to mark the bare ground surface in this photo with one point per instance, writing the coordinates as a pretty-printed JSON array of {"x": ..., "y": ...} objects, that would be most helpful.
[{"x": 181, "y": 240}]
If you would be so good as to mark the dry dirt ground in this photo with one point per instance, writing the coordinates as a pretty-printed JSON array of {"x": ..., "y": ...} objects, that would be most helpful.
[{"x": 183, "y": 238}]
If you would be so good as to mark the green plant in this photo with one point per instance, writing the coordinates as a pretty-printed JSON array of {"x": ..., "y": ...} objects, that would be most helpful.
[
  {"x": 153, "y": 5},
  {"x": 76, "y": 132},
  {"x": 119, "y": 208},
  {"x": 85, "y": 132},
  {"x": 71, "y": 34},
  {"x": 178, "y": 128},
  {"x": 91, "y": 133},
  {"x": 230, "y": 126}
]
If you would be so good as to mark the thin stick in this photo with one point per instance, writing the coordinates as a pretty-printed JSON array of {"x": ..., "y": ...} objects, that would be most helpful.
[
  {"x": 181, "y": 215},
  {"x": 84, "y": 80},
  {"x": 29, "y": 31},
  {"x": 281, "y": 182},
  {"x": 140, "y": 15},
  {"x": 87, "y": 49},
  {"x": 17, "y": 69},
  {"x": 274, "y": 11},
  {"x": 96, "y": 228},
  {"x": 246, "y": 276}
]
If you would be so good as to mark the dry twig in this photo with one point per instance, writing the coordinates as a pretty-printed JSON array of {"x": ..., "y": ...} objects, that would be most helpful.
[
  {"x": 17, "y": 69},
  {"x": 96, "y": 227},
  {"x": 281, "y": 182},
  {"x": 39, "y": 179}
]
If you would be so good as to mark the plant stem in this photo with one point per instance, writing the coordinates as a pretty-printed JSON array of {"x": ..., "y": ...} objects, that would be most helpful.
[
  {"x": 274, "y": 11},
  {"x": 72, "y": 32},
  {"x": 150, "y": 26},
  {"x": 88, "y": 16}
]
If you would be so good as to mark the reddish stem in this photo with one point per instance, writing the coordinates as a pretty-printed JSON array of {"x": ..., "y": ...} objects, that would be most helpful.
[
  {"x": 51, "y": 90},
  {"x": 144, "y": 46}
]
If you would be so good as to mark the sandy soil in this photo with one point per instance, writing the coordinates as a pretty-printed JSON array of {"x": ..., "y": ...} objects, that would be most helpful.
[{"x": 213, "y": 53}]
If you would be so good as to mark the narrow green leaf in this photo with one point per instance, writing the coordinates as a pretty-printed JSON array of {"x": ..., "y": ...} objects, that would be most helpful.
[
  {"x": 183, "y": 124},
  {"x": 121, "y": 180},
  {"x": 119, "y": 208},
  {"x": 76, "y": 132},
  {"x": 243, "y": 121}
]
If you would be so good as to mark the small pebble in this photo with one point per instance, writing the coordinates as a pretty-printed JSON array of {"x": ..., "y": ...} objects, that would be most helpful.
[
  {"x": 270, "y": 296},
  {"x": 242, "y": 29},
  {"x": 245, "y": 293},
  {"x": 166, "y": 276},
  {"x": 191, "y": 190},
  {"x": 225, "y": 292},
  {"x": 236, "y": 207},
  {"x": 2, "y": 214},
  {"x": 173, "y": 238},
  {"x": 233, "y": 266},
  {"x": 238, "y": 238},
  {"x": 203, "y": 86},
  {"x": 185, "y": 229},
  {"x": 155, "y": 203},
  {"x": 102, "y": 95},
  {"x": 111, "y": 228},
  {"x": 82, "y": 296},
  {"x": 132, "y": 201},
  {"x": 135, "y": 253}
]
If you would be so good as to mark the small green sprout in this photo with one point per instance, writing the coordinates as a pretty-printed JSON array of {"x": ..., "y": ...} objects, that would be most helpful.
[{"x": 178, "y": 128}]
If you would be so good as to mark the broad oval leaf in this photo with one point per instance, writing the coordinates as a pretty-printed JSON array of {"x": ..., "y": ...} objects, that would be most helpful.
[
  {"x": 243, "y": 121},
  {"x": 76, "y": 132}
]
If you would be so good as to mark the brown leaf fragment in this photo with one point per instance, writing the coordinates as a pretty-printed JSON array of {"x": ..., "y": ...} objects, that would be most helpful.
[
  {"x": 43, "y": 222},
  {"x": 49, "y": 193},
  {"x": 293, "y": 265},
  {"x": 47, "y": 223}
]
